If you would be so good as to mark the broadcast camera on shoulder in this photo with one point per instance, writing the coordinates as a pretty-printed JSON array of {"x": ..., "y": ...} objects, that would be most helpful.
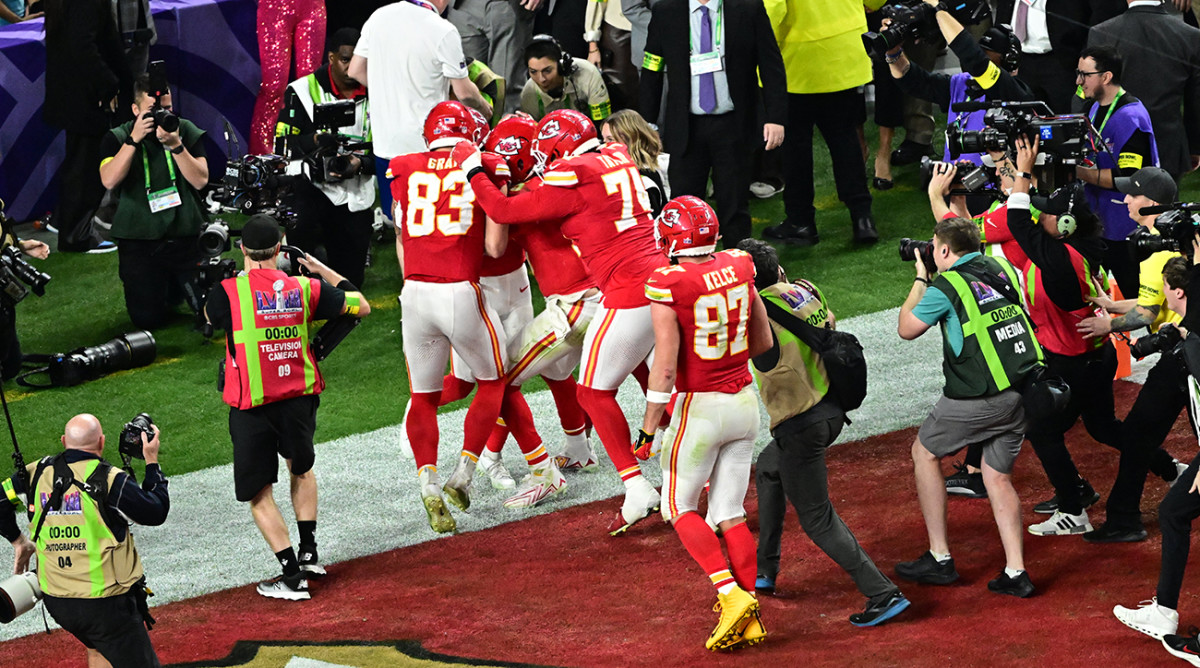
[{"x": 1177, "y": 224}]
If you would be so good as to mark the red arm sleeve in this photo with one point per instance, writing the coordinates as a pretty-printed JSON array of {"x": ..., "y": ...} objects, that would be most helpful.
[{"x": 538, "y": 205}]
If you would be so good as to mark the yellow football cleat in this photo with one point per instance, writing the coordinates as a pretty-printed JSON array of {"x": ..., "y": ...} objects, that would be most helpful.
[
  {"x": 736, "y": 607},
  {"x": 752, "y": 634},
  {"x": 440, "y": 519}
]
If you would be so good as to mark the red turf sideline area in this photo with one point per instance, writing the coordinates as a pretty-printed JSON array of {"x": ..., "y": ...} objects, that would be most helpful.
[{"x": 556, "y": 590}]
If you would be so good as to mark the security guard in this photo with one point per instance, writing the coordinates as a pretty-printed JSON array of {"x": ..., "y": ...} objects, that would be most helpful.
[
  {"x": 88, "y": 567},
  {"x": 271, "y": 383},
  {"x": 989, "y": 350},
  {"x": 805, "y": 420},
  {"x": 558, "y": 81},
  {"x": 332, "y": 213}
]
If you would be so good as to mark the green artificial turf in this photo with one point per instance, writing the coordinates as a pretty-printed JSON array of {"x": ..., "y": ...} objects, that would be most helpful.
[{"x": 366, "y": 381}]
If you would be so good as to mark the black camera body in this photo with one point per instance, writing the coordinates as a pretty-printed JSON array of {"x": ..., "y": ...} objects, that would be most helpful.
[
  {"x": 970, "y": 176},
  {"x": 331, "y": 161},
  {"x": 913, "y": 19},
  {"x": 911, "y": 249},
  {"x": 1176, "y": 227},
  {"x": 127, "y": 351},
  {"x": 1163, "y": 341},
  {"x": 163, "y": 117},
  {"x": 130, "y": 443},
  {"x": 16, "y": 274},
  {"x": 255, "y": 184}
]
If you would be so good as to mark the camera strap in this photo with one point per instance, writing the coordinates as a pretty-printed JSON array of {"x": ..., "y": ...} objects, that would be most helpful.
[
  {"x": 96, "y": 486},
  {"x": 1005, "y": 288}
]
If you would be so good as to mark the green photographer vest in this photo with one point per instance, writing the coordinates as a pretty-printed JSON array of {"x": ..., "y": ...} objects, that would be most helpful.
[
  {"x": 999, "y": 347},
  {"x": 798, "y": 381},
  {"x": 78, "y": 556}
]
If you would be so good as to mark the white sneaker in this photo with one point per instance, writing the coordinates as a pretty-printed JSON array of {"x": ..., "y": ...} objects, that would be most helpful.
[
  {"x": 1062, "y": 524},
  {"x": 537, "y": 487},
  {"x": 294, "y": 588},
  {"x": 1149, "y": 617},
  {"x": 1180, "y": 467},
  {"x": 458, "y": 486},
  {"x": 763, "y": 190},
  {"x": 494, "y": 468}
]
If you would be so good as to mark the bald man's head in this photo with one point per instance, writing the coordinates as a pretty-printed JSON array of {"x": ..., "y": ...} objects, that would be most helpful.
[{"x": 83, "y": 432}]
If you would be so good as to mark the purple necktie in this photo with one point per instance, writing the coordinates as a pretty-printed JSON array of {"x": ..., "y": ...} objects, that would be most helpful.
[
  {"x": 708, "y": 88},
  {"x": 1021, "y": 21}
]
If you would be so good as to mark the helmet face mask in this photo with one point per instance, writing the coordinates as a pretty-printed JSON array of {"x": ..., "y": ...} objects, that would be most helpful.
[
  {"x": 687, "y": 227},
  {"x": 482, "y": 126}
]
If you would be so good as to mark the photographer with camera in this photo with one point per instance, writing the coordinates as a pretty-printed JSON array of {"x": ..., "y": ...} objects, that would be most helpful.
[
  {"x": 89, "y": 571},
  {"x": 334, "y": 208},
  {"x": 1162, "y": 396},
  {"x": 272, "y": 385},
  {"x": 1064, "y": 246},
  {"x": 11, "y": 291},
  {"x": 990, "y": 356},
  {"x": 988, "y": 69},
  {"x": 156, "y": 163},
  {"x": 1124, "y": 124},
  {"x": 1159, "y": 618}
]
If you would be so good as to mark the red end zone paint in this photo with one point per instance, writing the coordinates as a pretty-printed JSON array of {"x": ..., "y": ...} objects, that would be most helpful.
[{"x": 554, "y": 590}]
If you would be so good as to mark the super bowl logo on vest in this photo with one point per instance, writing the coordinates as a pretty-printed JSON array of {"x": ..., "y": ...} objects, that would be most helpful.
[
  {"x": 278, "y": 302},
  {"x": 70, "y": 504},
  {"x": 984, "y": 293}
]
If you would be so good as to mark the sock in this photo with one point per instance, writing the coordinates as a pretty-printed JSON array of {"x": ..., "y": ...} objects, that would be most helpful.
[
  {"x": 454, "y": 388},
  {"x": 570, "y": 415},
  {"x": 518, "y": 417},
  {"x": 481, "y": 416},
  {"x": 1012, "y": 573},
  {"x": 499, "y": 436},
  {"x": 308, "y": 533},
  {"x": 287, "y": 559},
  {"x": 743, "y": 555},
  {"x": 613, "y": 429},
  {"x": 705, "y": 548},
  {"x": 939, "y": 557},
  {"x": 422, "y": 428}
]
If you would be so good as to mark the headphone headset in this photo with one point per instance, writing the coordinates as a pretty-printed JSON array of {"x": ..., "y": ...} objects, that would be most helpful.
[
  {"x": 566, "y": 64},
  {"x": 1066, "y": 222},
  {"x": 1011, "y": 45}
]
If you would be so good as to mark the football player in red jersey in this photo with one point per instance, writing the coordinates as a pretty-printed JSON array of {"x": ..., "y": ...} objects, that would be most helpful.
[
  {"x": 550, "y": 345},
  {"x": 440, "y": 245},
  {"x": 708, "y": 322},
  {"x": 595, "y": 195}
]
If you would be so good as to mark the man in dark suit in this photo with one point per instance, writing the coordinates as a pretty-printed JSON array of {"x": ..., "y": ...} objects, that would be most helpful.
[
  {"x": 1162, "y": 68},
  {"x": 85, "y": 69},
  {"x": 713, "y": 53}
]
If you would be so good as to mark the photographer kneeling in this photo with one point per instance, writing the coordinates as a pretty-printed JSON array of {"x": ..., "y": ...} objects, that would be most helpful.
[
  {"x": 89, "y": 570},
  {"x": 158, "y": 168},
  {"x": 334, "y": 206}
]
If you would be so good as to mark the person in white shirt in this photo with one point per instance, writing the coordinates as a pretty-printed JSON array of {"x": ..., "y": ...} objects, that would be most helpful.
[{"x": 409, "y": 58}]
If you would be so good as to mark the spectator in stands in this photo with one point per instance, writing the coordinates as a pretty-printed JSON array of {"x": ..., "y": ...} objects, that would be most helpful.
[
  {"x": 558, "y": 81},
  {"x": 826, "y": 67},
  {"x": 158, "y": 176},
  {"x": 629, "y": 128},
  {"x": 712, "y": 105},
  {"x": 409, "y": 58},
  {"x": 85, "y": 70},
  {"x": 1161, "y": 57},
  {"x": 608, "y": 35},
  {"x": 495, "y": 32},
  {"x": 15, "y": 11}
]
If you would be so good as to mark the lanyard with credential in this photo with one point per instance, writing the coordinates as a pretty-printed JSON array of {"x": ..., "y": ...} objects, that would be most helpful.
[
  {"x": 716, "y": 32},
  {"x": 1111, "y": 108},
  {"x": 146, "y": 167}
]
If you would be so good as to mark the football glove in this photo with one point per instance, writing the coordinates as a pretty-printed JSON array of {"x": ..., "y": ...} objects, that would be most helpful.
[
  {"x": 466, "y": 155},
  {"x": 645, "y": 442}
]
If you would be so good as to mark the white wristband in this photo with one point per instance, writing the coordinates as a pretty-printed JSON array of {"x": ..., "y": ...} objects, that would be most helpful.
[{"x": 655, "y": 397}]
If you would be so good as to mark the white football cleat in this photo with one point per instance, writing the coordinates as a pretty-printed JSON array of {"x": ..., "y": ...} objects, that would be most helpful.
[
  {"x": 641, "y": 499},
  {"x": 578, "y": 455},
  {"x": 495, "y": 470},
  {"x": 537, "y": 487}
]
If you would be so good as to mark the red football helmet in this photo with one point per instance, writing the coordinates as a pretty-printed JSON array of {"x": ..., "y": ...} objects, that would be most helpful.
[
  {"x": 512, "y": 139},
  {"x": 563, "y": 133},
  {"x": 686, "y": 226},
  {"x": 484, "y": 125},
  {"x": 449, "y": 123}
]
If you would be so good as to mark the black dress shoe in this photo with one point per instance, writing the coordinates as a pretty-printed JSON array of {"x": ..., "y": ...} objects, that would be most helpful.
[
  {"x": 882, "y": 184},
  {"x": 802, "y": 235},
  {"x": 909, "y": 153},
  {"x": 864, "y": 230},
  {"x": 1107, "y": 533}
]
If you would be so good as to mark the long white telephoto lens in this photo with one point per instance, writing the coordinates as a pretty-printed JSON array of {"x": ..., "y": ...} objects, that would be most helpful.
[{"x": 18, "y": 595}]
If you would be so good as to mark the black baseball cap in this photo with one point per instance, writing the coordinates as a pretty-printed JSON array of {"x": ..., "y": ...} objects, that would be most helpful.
[
  {"x": 1153, "y": 182},
  {"x": 261, "y": 232},
  {"x": 1067, "y": 198}
]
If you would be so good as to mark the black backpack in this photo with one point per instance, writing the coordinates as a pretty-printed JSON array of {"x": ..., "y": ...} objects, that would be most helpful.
[{"x": 841, "y": 352}]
